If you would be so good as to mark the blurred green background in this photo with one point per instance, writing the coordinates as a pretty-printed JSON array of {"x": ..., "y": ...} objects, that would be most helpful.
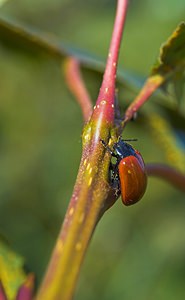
[{"x": 137, "y": 252}]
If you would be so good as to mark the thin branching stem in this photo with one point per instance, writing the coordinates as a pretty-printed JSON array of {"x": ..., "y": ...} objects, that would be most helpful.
[
  {"x": 77, "y": 86},
  {"x": 149, "y": 87},
  {"x": 168, "y": 173}
]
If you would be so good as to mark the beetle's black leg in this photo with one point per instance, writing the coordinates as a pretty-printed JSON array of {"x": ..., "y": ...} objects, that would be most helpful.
[
  {"x": 109, "y": 149},
  {"x": 113, "y": 170},
  {"x": 114, "y": 176}
]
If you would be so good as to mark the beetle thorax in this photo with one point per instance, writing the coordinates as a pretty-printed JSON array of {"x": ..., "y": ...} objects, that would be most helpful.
[{"x": 123, "y": 149}]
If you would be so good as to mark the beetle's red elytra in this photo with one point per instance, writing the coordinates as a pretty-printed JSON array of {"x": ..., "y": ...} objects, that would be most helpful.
[{"x": 132, "y": 178}]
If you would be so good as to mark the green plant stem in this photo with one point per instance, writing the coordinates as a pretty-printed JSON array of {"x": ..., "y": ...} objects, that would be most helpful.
[{"x": 80, "y": 220}]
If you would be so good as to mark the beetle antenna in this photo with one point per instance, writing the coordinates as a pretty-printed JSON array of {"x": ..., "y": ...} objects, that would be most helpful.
[{"x": 130, "y": 140}]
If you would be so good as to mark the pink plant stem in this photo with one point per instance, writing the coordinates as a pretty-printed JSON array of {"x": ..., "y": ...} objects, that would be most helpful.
[
  {"x": 167, "y": 173},
  {"x": 91, "y": 191},
  {"x": 77, "y": 86},
  {"x": 107, "y": 90},
  {"x": 26, "y": 290},
  {"x": 2, "y": 292}
]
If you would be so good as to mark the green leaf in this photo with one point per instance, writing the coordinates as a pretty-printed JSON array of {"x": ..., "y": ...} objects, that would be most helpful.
[
  {"x": 11, "y": 270},
  {"x": 171, "y": 61}
]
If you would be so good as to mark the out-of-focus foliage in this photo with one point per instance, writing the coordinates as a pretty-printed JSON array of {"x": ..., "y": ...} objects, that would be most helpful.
[
  {"x": 137, "y": 252},
  {"x": 22, "y": 37},
  {"x": 2, "y": 2},
  {"x": 11, "y": 270}
]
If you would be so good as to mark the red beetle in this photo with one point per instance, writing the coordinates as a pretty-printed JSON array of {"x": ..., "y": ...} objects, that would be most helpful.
[{"x": 128, "y": 174}]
